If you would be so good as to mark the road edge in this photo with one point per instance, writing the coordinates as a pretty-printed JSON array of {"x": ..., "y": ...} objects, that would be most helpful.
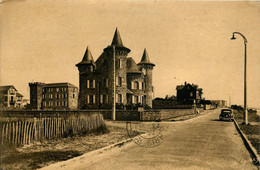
[
  {"x": 88, "y": 154},
  {"x": 249, "y": 146}
]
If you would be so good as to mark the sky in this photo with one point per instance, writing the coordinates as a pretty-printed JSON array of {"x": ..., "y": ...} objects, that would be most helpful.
[{"x": 41, "y": 41}]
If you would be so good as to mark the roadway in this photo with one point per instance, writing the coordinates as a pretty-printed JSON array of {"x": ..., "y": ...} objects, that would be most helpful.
[{"x": 199, "y": 143}]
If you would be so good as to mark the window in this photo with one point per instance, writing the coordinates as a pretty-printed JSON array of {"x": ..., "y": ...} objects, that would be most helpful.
[
  {"x": 103, "y": 98},
  {"x": 143, "y": 85},
  {"x": 58, "y": 96},
  {"x": 134, "y": 99},
  {"x": 91, "y": 99},
  {"x": 119, "y": 81},
  {"x": 91, "y": 83},
  {"x": 57, "y": 89},
  {"x": 136, "y": 85},
  {"x": 191, "y": 94},
  {"x": 118, "y": 64},
  {"x": 119, "y": 98},
  {"x": 12, "y": 91},
  {"x": 105, "y": 82},
  {"x": 73, "y": 96},
  {"x": 91, "y": 68},
  {"x": 51, "y": 96}
]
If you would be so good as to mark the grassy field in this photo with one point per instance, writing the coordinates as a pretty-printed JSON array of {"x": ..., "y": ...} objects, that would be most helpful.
[
  {"x": 41, "y": 154},
  {"x": 252, "y": 131}
]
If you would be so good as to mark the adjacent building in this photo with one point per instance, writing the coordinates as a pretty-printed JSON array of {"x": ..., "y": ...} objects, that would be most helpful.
[
  {"x": 10, "y": 98},
  {"x": 53, "y": 96},
  {"x": 189, "y": 93},
  {"x": 133, "y": 81}
]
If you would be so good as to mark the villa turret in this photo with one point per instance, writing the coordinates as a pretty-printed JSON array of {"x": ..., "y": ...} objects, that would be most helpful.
[{"x": 147, "y": 68}]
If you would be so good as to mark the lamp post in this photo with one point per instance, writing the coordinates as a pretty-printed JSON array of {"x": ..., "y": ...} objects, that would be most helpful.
[{"x": 245, "y": 106}]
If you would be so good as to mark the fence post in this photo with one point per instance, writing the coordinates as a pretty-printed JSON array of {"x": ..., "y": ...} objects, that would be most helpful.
[
  {"x": 34, "y": 128},
  {"x": 16, "y": 132},
  {"x": 3, "y": 130},
  {"x": 13, "y": 134},
  {"x": 29, "y": 132}
]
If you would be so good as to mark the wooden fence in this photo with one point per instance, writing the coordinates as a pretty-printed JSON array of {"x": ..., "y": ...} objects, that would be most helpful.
[{"x": 23, "y": 132}]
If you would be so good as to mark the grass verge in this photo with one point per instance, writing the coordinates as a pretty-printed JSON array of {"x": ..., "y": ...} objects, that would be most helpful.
[{"x": 252, "y": 131}]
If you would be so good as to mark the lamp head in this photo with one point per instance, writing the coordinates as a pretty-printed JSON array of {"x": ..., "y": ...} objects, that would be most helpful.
[{"x": 233, "y": 37}]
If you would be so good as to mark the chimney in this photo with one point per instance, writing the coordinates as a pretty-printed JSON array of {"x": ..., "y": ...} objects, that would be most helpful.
[{"x": 185, "y": 83}]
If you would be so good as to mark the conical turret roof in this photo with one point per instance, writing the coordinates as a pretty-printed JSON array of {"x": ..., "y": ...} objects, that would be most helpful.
[
  {"x": 131, "y": 66},
  {"x": 117, "y": 41},
  {"x": 87, "y": 58},
  {"x": 145, "y": 59}
]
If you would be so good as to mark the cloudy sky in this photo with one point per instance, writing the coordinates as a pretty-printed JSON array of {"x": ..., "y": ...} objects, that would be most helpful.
[{"x": 188, "y": 41}]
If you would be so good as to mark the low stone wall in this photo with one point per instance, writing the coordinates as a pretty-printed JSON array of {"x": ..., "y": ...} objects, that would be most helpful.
[
  {"x": 151, "y": 115},
  {"x": 121, "y": 115},
  {"x": 124, "y": 115},
  {"x": 173, "y": 113}
]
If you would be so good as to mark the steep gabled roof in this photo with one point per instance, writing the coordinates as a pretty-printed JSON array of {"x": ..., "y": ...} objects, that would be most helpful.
[
  {"x": 87, "y": 58},
  {"x": 131, "y": 66},
  {"x": 6, "y": 88},
  {"x": 145, "y": 59}
]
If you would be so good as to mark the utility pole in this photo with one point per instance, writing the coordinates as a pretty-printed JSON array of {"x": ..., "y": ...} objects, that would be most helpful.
[{"x": 114, "y": 84}]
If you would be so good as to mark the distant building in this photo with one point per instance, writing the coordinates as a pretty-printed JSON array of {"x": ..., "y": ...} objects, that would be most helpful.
[
  {"x": 189, "y": 93},
  {"x": 10, "y": 98},
  {"x": 219, "y": 103},
  {"x": 133, "y": 81},
  {"x": 53, "y": 96},
  {"x": 19, "y": 100}
]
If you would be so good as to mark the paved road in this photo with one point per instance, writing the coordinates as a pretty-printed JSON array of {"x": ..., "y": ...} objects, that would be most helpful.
[{"x": 199, "y": 143}]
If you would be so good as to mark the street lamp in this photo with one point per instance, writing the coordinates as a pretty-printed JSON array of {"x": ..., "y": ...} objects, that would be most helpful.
[{"x": 245, "y": 106}]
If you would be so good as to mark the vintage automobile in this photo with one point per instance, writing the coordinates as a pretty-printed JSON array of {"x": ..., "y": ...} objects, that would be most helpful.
[{"x": 226, "y": 114}]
